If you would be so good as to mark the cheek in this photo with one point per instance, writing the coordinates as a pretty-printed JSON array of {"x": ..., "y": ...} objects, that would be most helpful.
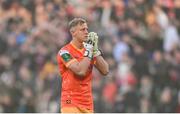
[
  {"x": 80, "y": 34},
  {"x": 75, "y": 33}
]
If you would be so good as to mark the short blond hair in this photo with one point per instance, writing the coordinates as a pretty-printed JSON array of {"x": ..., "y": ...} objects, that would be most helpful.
[{"x": 75, "y": 22}]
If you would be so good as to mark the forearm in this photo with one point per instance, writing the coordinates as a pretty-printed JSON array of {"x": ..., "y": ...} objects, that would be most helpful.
[
  {"x": 80, "y": 67},
  {"x": 83, "y": 66},
  {"x": 102, "y": 65}
]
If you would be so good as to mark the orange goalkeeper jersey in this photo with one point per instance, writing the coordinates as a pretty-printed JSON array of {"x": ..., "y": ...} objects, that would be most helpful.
[{"x": 76, "y": 91}]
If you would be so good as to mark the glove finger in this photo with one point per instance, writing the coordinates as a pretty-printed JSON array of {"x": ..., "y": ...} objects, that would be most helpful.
[
  {"x": 90, "y": 42},
  {"x": 93, "y": 37},
  {"x": 92, "y": 34}
]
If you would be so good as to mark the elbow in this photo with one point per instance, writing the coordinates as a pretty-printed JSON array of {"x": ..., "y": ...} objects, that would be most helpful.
[
  {"x": 105, "y": 71},
  {"x": 78, "y": 72},
  {"x": 81, "y": 73}
]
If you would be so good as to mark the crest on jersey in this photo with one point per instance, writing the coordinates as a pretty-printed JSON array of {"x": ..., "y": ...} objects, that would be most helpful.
[{"x": 65, "y": 55}]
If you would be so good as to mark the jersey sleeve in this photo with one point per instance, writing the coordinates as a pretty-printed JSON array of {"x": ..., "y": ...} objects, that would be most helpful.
[
  {"x": 66, "y": 57},
  {"x": 94, "y": 60}
]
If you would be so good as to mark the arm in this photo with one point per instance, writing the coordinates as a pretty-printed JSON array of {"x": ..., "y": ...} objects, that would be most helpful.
[
  {"x": 102, "y": 65},
  {"x": 80, "y": 68}
]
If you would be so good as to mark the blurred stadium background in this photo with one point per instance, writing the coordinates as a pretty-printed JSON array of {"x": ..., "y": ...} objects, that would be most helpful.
[{"x": 140, "y": 40}]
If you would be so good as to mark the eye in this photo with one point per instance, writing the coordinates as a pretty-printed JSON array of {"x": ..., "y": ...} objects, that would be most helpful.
[{"x": 84, "y": 29}]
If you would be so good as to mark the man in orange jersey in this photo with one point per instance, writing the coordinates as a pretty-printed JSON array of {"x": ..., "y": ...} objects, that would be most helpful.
[{"x": 76, "y": 61}]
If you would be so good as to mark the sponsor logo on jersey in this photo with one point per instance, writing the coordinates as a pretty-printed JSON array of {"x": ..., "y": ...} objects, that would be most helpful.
[{"x": 65, "y": 55}]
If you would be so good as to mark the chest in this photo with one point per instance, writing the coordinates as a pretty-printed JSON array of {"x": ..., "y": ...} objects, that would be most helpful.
[{"x": 78, "y": 55}]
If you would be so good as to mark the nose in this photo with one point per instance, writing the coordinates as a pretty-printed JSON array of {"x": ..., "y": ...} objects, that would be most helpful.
[{"x": 86, "y": 31}]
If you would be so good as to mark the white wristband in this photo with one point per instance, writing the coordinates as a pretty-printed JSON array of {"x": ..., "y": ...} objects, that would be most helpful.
[
  {"x": 88, "y": 54},
  {"x": 97, "y": 54}
]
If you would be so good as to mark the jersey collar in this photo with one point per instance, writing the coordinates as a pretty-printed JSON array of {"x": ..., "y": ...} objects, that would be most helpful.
[{"x": 75, "y": 47}]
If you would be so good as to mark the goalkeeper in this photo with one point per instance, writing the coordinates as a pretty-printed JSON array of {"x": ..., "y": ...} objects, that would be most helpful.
[{"x": 76, "y": 61}]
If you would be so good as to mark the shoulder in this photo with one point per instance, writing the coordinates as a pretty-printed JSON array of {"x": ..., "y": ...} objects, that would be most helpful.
[
  {"x": 65, "y": 53},
  {"x": 64, "y": 49}
]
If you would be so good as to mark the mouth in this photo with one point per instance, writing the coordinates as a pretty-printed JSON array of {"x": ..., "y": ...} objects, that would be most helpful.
[{"x": 86, "y": 38}]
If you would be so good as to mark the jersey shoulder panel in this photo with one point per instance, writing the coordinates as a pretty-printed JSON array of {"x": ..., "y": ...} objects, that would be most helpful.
[{"x": 65, "y": 55}]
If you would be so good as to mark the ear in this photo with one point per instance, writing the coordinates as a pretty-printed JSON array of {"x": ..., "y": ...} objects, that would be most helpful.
[{"x": 72, "y": 31}]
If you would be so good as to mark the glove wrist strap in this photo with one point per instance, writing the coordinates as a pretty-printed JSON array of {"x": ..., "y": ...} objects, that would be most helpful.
[
  {"x": 88, "y": 54},
  {"x": 98, "y": 53}
]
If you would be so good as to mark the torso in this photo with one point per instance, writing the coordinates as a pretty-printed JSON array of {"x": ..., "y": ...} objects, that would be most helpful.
[{"x": 76, "y": 91}]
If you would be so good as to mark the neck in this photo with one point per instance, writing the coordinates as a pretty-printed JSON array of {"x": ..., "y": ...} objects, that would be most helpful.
[{"x": 78, "y": 44}]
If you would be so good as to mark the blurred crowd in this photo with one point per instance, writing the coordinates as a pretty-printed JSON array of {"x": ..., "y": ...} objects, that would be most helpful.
[{"x": 140, "y": 40}]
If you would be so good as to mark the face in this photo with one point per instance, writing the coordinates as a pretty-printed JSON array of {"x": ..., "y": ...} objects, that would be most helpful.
[{"x": 80, "y": 32}]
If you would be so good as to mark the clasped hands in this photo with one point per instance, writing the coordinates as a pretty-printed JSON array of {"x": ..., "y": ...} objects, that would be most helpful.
[{"x": 91, "y": 45}]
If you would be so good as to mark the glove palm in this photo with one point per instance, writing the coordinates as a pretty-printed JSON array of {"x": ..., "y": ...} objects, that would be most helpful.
[
  {"x": 92, "y": 36},
  {"x": 88, "y": 45}
]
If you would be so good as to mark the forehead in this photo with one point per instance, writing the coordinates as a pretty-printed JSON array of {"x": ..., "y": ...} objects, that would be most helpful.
[{"x": 80, "y": 26}]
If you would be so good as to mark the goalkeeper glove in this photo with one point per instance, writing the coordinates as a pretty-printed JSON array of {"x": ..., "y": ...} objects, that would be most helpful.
[
  {"x": 88, "y": 45},
  {"x": 94, "y": 38}
]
